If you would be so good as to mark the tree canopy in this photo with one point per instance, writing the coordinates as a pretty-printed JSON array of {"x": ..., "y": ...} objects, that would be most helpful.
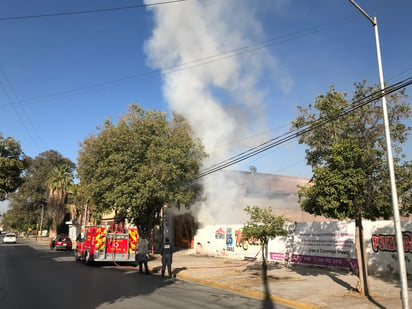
[
  {"x": 263, "y": 224},
  {"x": 59, "y": 181},
  {"x": 347, "y": 152},
  {"x": 33, "y": 194},
  {"x": 12, "y": 165},
  {"x": 138, "y": 165},
  {"x": 348, "y": 155}
]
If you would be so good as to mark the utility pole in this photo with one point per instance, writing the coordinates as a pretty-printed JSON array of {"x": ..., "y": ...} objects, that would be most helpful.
[
  {"x": 84, "y": 220},
  {"x": 396, "y": 218},
  {"x": 41, "y": 220}
]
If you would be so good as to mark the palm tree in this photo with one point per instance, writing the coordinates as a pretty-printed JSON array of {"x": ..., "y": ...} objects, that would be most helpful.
[{"x": 59, "y": 181}]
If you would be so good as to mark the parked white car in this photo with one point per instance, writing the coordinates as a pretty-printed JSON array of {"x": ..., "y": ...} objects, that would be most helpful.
[{"x": 9, "y": 238}]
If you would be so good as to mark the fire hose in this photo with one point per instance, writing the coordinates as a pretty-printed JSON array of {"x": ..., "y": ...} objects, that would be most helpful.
[{"x": 194, "y": 267}]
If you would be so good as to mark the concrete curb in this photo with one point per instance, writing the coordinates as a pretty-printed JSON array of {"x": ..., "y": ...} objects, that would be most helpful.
[{"x": 248, "y": 292}]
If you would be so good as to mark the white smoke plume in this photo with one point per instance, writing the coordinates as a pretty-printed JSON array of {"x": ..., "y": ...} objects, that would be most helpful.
[{"x": 221, "y": 99}]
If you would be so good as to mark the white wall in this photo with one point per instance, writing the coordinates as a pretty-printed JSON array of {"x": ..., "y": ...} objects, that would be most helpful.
[
  {"x": 329, "y": 243},
  {"x": 224, "y": 240}
]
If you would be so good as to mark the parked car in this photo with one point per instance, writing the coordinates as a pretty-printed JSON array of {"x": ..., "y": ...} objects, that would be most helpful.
[
  {"x": 9, "y": 238},
  {"x": 61, "y": 242}
]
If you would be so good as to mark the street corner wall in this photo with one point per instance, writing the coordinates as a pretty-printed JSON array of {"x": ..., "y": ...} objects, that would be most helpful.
[
  {"x": 225, "y": 240},
  {"x": 381, "y": 246},
  {"x": 327, "y": 244},
  {"x": 332, "y": 244}
]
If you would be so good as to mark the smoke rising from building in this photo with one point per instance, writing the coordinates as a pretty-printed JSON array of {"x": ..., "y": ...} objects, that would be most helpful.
[{"x": 221, "y": 99}]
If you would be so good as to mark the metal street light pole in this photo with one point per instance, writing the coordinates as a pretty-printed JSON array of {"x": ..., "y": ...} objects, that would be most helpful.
[{"x": 396, "y": 219}]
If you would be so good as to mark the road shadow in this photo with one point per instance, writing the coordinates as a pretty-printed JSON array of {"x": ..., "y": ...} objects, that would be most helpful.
[
  {"x": 258, "y": 269},
  {"x": 341, "y": 282},
  {"x": 345, "y": 278},
  {"x": 267, "y": 301},
  {"x": 334, "y": 274}
]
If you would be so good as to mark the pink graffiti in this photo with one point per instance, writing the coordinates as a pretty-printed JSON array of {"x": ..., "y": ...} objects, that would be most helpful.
[
  {"x": 382, "y": 242},
  {"x": 244, "y": 243}
]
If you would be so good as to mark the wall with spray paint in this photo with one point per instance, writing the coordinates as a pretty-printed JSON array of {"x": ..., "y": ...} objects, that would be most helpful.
[
  {"x": 381, "y": 246},
  {"x": 225, "y": 240},
  {"x": 327, "y": 244}
]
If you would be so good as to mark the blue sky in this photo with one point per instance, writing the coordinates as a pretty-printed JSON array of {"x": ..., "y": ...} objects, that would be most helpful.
[{"x": 237, "y": 69}]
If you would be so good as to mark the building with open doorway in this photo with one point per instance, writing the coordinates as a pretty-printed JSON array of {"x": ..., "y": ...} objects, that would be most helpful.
[
  {"x": 234, "y": 191},
  {"x": 252, "y": 189}
]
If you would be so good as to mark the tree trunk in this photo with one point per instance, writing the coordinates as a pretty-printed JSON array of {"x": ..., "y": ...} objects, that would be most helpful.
[
  {"x": 264, "y": 263},
  {"x": 362, "y": 258}
]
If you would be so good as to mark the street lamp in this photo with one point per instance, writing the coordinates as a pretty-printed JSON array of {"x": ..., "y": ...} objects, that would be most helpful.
[{"x": 396, "y": 219}]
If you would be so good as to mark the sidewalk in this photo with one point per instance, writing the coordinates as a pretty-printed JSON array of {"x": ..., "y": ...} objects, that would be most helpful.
[{"x": 296, "y": 287}]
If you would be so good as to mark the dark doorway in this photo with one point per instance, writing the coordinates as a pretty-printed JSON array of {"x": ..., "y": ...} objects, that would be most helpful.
[{"x": 185, "y": 228}]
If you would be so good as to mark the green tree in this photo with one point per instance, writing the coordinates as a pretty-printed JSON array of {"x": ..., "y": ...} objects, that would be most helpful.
[
  {"x": 13, "y": 220},
  {"x": 137, "y": 166},
  {"x": 263, "y": 225},
  {"x": 349, "y": 160},
  {"x": 59, "y": 181},
  {"x": 12, "y": 165},
  {"x": 33, "y": 194},
  {"x": 80, "y": 201}
]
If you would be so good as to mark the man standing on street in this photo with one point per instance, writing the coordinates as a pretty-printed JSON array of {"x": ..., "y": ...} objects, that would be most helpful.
[
  {"x": 143, "y": 258},
  {"x": 167, "y": 253}
]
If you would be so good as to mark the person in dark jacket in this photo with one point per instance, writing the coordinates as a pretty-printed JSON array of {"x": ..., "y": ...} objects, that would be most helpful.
[{"x": 166, "y": 252}]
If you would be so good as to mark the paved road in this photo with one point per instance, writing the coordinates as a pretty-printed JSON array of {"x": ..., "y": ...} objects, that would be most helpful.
[{"x": 41, "y": 278}]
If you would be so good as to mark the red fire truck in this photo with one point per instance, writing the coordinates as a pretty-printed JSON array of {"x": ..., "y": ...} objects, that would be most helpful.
[{"x": 107, "y": 244}]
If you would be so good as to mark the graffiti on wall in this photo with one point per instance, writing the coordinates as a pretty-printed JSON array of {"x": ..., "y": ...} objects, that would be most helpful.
[
  {"x": 239, "y": 242},
  {"x": 290, "y": 227},
  {"x": 245, "y": 243},
  {"x": 316, "y": 243},
  {"x": 387, "y": 242},
  {"x": 229, "y": 240},
  {"x": 220, "y": 234}
]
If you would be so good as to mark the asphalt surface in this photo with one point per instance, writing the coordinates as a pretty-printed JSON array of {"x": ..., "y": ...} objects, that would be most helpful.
[
  {"x": 36, "y": 277},
  {"x": 295, "y": 287}
]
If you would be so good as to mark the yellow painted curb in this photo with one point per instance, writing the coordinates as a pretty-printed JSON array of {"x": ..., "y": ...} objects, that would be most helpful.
[{"x": 252, "y": 293}]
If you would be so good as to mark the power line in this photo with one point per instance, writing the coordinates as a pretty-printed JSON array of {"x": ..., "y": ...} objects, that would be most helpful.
[
  {"x": 89, "y": 11},
  {"x": 249, "y": 137},
  {"x": 183, "y": 66},
  {"x": 22, "y": 107},
  {"x": 266, "y": 154},
  {"x": 307, "y": 128},
  {"x": 289, "y": 166},
  {"x": 187, "y": 65},
  {"x": 400, "y": 75}
]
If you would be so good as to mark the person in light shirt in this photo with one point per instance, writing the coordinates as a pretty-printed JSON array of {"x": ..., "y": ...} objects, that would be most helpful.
[{"x": 143, "y": 258}]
